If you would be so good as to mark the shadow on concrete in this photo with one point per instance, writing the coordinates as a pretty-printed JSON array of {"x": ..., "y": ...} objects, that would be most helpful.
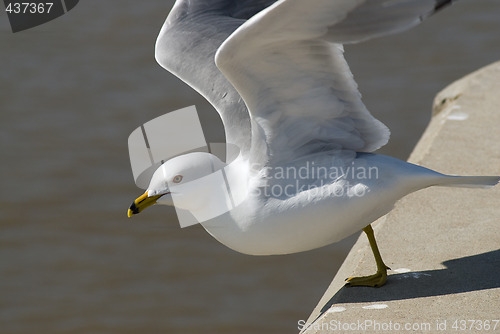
[{"x": 471, "y": 273}]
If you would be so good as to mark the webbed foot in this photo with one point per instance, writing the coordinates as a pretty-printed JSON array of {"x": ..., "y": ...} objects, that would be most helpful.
[{"x": 376, "y": 280}]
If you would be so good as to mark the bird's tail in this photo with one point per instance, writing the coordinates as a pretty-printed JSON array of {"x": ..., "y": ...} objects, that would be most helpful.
[{"x": 470, "y": 181}]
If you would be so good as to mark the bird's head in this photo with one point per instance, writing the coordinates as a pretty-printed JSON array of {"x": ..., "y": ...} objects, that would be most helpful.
[{"x": 174, "y": 177}]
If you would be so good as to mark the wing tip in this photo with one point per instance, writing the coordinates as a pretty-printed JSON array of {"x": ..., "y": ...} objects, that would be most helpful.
[{"x": 440, "y": 4}]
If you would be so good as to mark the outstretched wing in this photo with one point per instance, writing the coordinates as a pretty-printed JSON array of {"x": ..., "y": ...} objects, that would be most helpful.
[
  {"x": 186, "y": 46},
  {"x": 287, "y": 63}
]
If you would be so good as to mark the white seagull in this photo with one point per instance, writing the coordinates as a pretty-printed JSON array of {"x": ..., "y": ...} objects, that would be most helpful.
[{"x": 276, "y": 74}]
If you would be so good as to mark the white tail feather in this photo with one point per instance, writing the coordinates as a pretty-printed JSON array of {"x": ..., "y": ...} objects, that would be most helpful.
[{"x": 470, "y": 181}]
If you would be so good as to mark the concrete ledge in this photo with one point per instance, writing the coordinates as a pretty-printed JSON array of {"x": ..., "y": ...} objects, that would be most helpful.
[{"x": 442, "y": 243}]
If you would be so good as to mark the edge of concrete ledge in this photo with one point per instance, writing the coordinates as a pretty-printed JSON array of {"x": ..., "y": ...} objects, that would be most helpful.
[{"x": 439, "y": 241}]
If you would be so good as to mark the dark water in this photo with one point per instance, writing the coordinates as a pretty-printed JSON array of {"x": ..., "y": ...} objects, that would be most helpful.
[{"x": 72, "y": 91}]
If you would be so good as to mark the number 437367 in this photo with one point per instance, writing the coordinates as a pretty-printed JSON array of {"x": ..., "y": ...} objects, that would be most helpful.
[
  {"x": 479, "y": 325},
  {"x": 29, "y": 7}
]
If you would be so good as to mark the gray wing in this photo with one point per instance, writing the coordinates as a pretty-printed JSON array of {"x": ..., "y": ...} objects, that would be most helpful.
[
  {"x": 287, "y": 63},
  {"x": 375, "y": 18},
  {"x": 186, "y": 46}
]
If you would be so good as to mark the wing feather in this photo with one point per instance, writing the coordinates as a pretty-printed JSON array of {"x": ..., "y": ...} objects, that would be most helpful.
[
  {"x": 287, "y": 63},
  {"x": 186, "y": 46}
]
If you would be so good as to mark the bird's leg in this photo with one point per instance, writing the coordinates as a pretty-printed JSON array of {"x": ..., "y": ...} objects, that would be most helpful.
[{"x": 379, "y": 278}]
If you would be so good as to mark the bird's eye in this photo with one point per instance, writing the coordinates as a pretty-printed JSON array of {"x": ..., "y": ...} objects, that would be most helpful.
[{"x": 177, "y": 179}]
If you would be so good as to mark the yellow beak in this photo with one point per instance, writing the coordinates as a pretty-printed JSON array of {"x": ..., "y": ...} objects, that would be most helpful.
[{"x": 141, "y": 203}]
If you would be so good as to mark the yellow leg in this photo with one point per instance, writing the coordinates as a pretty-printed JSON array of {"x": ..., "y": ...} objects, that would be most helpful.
[{"x": 379, "y": 278}]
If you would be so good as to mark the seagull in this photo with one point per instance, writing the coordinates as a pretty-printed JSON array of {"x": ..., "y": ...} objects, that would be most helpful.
[{"x": 276, "y": 74}]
